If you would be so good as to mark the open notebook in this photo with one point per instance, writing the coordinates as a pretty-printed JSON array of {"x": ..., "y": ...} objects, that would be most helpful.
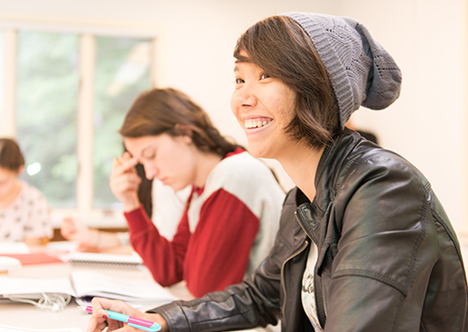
[{"x": 84, "y": 285}]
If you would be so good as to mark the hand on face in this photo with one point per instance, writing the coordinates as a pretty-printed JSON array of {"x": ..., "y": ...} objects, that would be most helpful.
[
  {"x": 97, "y": 323},
  {"x": 124, "y": 182}
]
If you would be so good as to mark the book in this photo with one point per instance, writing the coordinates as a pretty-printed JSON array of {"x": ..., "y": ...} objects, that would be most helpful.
[
  {"x": 85, "y": 285},
  {"x": 103, "y": 259},
  {"x": 34, "y": 258}
]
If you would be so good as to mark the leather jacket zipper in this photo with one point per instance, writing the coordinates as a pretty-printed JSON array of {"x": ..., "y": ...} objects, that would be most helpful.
[
  {"x": 317, "y": 285},
  {"x": 301, "y": 249}
]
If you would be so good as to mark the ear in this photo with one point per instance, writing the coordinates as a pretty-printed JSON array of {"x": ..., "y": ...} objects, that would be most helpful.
[
  {"x": 185, "y": 132},
  {"x": 20, "y": 170}
]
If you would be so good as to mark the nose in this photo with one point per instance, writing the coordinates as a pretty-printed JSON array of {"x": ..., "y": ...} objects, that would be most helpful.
[
  {"x": 150, "y": 171},
  {"x": 243, "y": 97}
]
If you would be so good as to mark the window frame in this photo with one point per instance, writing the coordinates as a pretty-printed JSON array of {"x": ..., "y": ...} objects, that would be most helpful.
[{"x": 87, "y": 31}]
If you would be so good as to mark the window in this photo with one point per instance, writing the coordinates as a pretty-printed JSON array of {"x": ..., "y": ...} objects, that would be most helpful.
[
  {"x": 64, "y": 94},
  {"x": 47, "y": 82},
  {"x": 122, "y": 72}
]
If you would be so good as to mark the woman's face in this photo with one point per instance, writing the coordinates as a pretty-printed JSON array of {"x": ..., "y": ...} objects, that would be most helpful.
[
  {"x": 8, "y": 180},
  {"x": 169, "y": 159},
  {"x": 264, "y": 106}
]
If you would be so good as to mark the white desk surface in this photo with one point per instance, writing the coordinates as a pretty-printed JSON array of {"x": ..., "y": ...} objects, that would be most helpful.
[{"x": 29, "y": 316}]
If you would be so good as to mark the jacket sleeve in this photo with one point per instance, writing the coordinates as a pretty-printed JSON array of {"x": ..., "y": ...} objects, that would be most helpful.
[
  {"x": 241, "y": 306},
  {"x": 163, "y": 258},
  {"x": 252, "y": 303},
  {"x": 387, "y": 247}
]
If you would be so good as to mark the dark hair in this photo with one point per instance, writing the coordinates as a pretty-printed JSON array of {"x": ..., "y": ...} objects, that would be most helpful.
[
  {"x": 172, "y": 112},
  {"x": 11, "y": 157},
  {"x": 281, "y": 47}
]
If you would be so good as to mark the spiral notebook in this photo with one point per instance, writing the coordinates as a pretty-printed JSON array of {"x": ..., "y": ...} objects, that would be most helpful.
[{"x": 104, "y": 259}]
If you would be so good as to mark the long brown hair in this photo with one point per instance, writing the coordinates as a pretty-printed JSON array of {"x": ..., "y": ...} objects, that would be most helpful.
[
  {"x": 172, "y": 112},
  {"x": 11, "y": 157},
  {"x": 280, "y": 47}
]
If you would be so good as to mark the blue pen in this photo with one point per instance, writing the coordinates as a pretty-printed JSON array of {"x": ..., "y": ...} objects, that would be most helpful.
[{"x": 132, "y": 321}]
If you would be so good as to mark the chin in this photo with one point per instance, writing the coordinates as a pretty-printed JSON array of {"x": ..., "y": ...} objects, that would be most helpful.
[{"x": 257, "y": 151}]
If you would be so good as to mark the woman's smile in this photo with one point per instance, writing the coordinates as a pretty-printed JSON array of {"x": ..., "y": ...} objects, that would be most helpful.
[{"x": 254, "y": 123}]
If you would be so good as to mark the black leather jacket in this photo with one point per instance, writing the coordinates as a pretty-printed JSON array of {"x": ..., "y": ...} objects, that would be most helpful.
[{"x": 388, "y": 258}]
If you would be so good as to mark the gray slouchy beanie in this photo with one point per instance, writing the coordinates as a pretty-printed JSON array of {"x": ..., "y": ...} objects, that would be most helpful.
[{"x": 361, "y": 71}]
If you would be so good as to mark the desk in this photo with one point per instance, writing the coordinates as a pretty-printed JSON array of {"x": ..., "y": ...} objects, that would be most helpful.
[{"x": 28, "y": 316}]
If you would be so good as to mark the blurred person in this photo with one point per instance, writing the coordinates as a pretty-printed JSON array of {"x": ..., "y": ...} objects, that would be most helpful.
[{"x": 24, "y": 212}]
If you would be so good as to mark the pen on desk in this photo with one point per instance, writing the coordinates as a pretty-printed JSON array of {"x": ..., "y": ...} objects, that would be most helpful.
[{"x": 132, "y": 321}]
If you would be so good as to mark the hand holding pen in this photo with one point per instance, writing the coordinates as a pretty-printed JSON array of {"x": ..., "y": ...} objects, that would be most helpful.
[{"x": 112, "y": 314}]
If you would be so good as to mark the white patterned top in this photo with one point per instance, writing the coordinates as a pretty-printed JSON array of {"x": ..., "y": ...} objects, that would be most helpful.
[
  {"x": 308, "y": 290},
  {"x": 27, "y": 217}
]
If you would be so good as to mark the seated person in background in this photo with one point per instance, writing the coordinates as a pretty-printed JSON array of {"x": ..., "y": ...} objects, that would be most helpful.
[
  {"x": 24, "y": 213},
  {"x": 232, "y": 214},
  {"x": 162, "y": 203}
]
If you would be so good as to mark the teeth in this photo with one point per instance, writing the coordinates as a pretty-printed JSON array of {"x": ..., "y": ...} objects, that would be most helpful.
[{"x": 250, "y": 124}]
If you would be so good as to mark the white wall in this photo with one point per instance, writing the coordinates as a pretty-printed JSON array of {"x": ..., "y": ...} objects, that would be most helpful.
[
  {"x": 428, "y": 124},
  {"x": 428, "y": 39}
]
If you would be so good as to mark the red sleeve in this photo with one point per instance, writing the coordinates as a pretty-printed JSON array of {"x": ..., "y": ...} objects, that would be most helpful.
[
  {"x": 163, "y": 258},
  {"x": 218, "y": 252}
]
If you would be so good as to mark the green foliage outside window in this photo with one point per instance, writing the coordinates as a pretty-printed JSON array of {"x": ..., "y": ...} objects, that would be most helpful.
[
  {"x": 47, "y": 105},
  {"x": 122, "y": 72},
  {"x": 47, "y": 99}
]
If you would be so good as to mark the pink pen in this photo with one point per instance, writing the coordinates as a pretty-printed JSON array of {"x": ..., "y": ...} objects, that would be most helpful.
[{"x": 132, "y": 321}]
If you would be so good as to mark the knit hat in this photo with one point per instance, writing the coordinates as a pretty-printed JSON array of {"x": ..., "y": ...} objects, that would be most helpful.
[{"x": 361, "y": 71}]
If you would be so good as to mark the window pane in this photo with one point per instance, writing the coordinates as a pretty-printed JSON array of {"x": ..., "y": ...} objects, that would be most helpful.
[
  {"x": 122, "y": 72},
  {"x": 47, "y": 100}
]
